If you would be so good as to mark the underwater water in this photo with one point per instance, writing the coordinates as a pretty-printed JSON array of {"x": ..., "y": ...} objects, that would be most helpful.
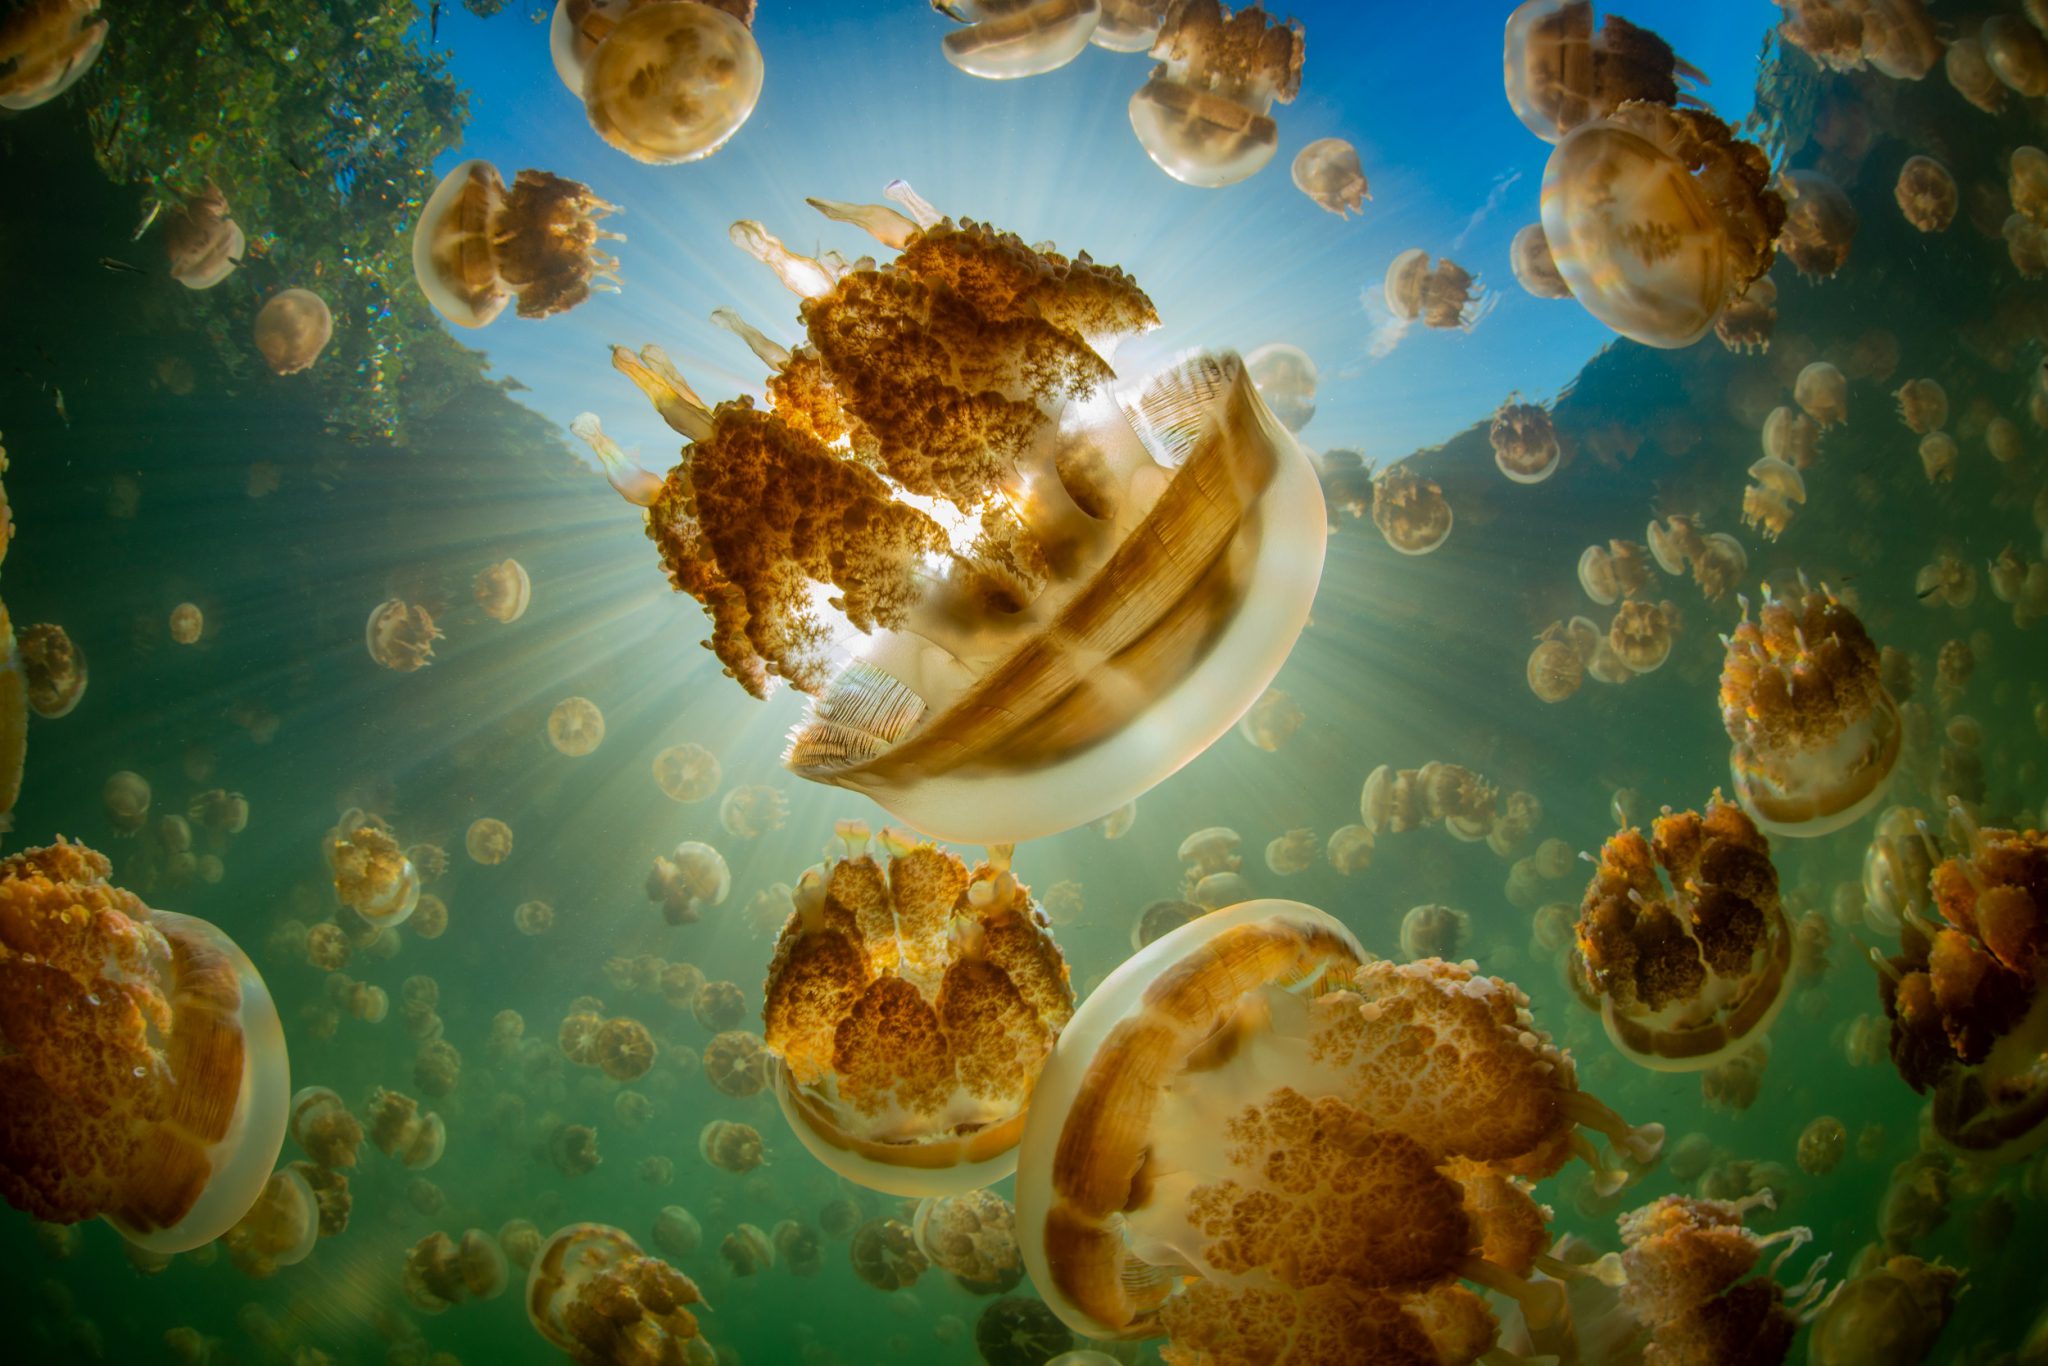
[{"x": 211, "y": 536}]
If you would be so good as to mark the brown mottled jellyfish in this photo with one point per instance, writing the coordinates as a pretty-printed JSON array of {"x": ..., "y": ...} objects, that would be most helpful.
[
  {"x": 1926, "y": 193},
  {"x": 204, "y": 244},
  {"x": 1559, "y": 73},
  {"x": 292, "y": 330},
  {"x": 45, "y": 46},
  {"x": 1002, "y": 40},
  {"x": 1676, "y": 178},
  {"x": 400, "y": 636},
  {"x": 479, "y": 246},
  {"x": 55, "y": 669},
  {"x": 1104, "y": 591},
  {"x": 503, "y": 590},
  {"x": 1819, "y": 225},
  {"x": 909, "y": 1008},
  {"x": 1441, "y": 296},
  {"x": 1327, "y": 171},
  {"x": 593, "y": 1294},
  {"x": 1205, "y": 116},
  {"x": 673, "y": 82},
  {"x": 1535, "y": 269},
  {"x": 1689, "y": 969},
  {"x": 1410, "y": 511},
  {"x": 1524, "y": 440}
]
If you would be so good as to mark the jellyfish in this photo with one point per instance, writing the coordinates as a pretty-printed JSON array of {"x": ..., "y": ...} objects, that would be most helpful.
[
  {"x": 55, "y": 670},
  {"x": 1559, "y": 74},
  {"x": 519, "y": 1240},
  {"x": 488, "y": 841},
  {"x": 440, "y": 1272},
  {"x": 750, "y": 812},
  {"x": 735, "y": 1063},
  {"x": 1555, "y": 669},
  {"x": 719, "y": 1006},
  {"x": 1815, "y": 735},
  {"x": 292, "y": 330},
  {"x": 1328, "y": 172},
  {"x": 2027, "y": 244},
  {"x": 322, "y": 1125},
  {"x": 692, "y": 876},
  {"x": 1750, "y": 317},
  {"x": 400, "y": 1129},
  {"x": 1259, "y": 1041},
  {"x": 1292, "y": 852},
  {"x": 503, "y": 590},
  {"x": 575, "y": 726},
  {"x": 1434, "y": 932},
  {"x": 1821, "y": 1145},
  {"x": 45, "y": 46},
  {"x": 687, "y": 773},
  {"x": 479, "y": 246},
  {"x": 1890, "y": 1315},
  {"x": 330, "y": 1194},
  {"x": 437, "y": 1068},
  {"x": 368, "y": 1003},
  {"x": 1535, "y": 269},
  {"x": 1205, "y": 115},
  {"x": 1440, "y": 297},
  {"x": 1410, "y": 510},
  {"x": 278, "y": 1230},
  {"x": 145, "y": 1080},
  {"x": 671, "y": 83},
  {"x": 533, "y": 918},
  {"x": 1732, "y": 1085},
  {"x": 1286, "y": 379},
  {"x": 1620, "y": 569},
  {"x": 187, "y": 623},
  {"x": 1923, "y": 405},
  {"x": 731, "y": 1146},
  {"x": 1042, "y": 608},
  {"x": 1772, "y": 501},
  {"x": 572, "y": 1149},
  {"x": 1972, "y": 76},
  {"x": 1675, "y": 178},
  {"x": 1272, "y": 721},
  {"x": 624, "y": 1050},
  {"x": 1819, "y": 223},
  {"x": 747, "y": 1250},
  {"x": 1524, "y": 440},
  {"x": 677, "y": 1233},
  {"x": 1001, "y": 40},
  {"x": 2016, "y": 53},
  {"x": 593, "y": 1294},
  {"x": 400, "y": 636},
  {"x": 1926, "y": 193},
  {"x": 1823, "y": 393},
  {"x": 1129, "y": 25},
  {"x": 885, "y": 1254},
  {"x": 372, "y": 875}
]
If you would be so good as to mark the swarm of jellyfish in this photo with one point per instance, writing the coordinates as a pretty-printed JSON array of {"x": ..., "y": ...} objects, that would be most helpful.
[
  {"x": 1031, "y": 680},
  {"x": 480, "y": 246},
  {"x": 909, "y": 1007}
]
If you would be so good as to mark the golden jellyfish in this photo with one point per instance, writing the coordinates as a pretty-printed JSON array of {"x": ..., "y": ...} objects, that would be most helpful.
[
  {"x": 2027, "y": 183},
  {"x": 593, "y": 1294},
  {"x": 125, "y": 796},
  {"x": 624, "y": 1050},
  {"x": 576, "y": 726},
  {"x": 752, "y": 811},
  {"x": 372, "y": 875},
  {"x": 1619, "y": 569},
  {"x": 1733, "y": 1084},
  {"x": 429, "y": 917},
  {"x": 1815, "y": 735},
  {"x": 719, "y": 1006},
  {"x": 2016, "y": 53},
  {"x": 1118, "y": 823},
  {"x": 1555, "y": 669},
  {"x": 1889, "y": 1315},
  {"x": 488, "y": 841},
  {"x": 692, "y": 876},
  {"x": 885, "y": 1254},
  {"x": 687, "y": 772},
  {"x": 187, "y": 623},
  {"x": 519, "y": 1240},
  {"x": 972, "y": 1236},
  {"x": 1938, "y": 456},
  {"x": 800, "y": 1248},
  {"x": 1272, "y": 721},
  {"x": 145, "y": 1081},
  {"x": 1434, "y": 932},
  {"x": 1819, "y": 223},
  {"x": 1286, "y": 379},
  {"x": 670, "y": 83},
  {"x": 1559, "y": 73},
  {"x": 1970, "y": 73},
  {"x": 533, "y": 918},
  {"x": 731, "y": 1146},
  {"x": 1926, "y": 193},
  {"x": 1774, "y": 499},
  {"x": 1534, "y": 267},
  {"x": 400, "y": 1129},
  {"x": 1749, "y": 318},
  {"x": 1923, "y": 405},
  {"x": 276, "y": 1231},
  {"x": 45, "y": 47},
  {"x": 503, "y": 590},
  {"x": 1689, "y": 976},
  {"x": 1293, "y": 852},
  {"x": 1821, "y": 1145},
  {"x": 2026, "y": 242},
  {"x": 1441, "y": 296},
  {"x": 1002, "y": 40},
  {"x": 1328, "y": 172},
  {"x": 747, "y": 1250},
  {"x": 321, "y": 1125},
  {"x": 441, "y": 1272},
  {"x": 479, "y": 246},
  {"x": 292, "y": 330},
  {"x": 1641, "y": 636},
  {"x": 55, "y": 670},
  {"x": 400, "y": 636},
  {"x": 1524, "y": 440},
  {"x": 572, "y": 1149},
  {"x": 1410, "y": 510},
  {"x": 1129, "y": 25},
  {"x": 221, "y": 812},
  {"x": 1823, "y": 394},
  {"x": 1678, "y": 178},
  {"x": 735, "y": 1063},
  {"x": 677, "y": 1233},
  {"x": 1205, "y": 115},
  {"x": 1148, "y": 1148},
  {"x": 1018, "y": 684},
  {"x": 908, "y": 1008},
  {"x": 437, "y": 1068},
  {"x": 1161, "y": 918}
]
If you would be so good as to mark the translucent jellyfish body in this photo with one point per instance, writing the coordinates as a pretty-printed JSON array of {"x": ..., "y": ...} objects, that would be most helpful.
[
  {"x": 1328, "y": 172},
  {"x": 1004, "y": 39},
  {"x": 479, "y": 246},
  {"x": 1815, "y": 735},
  {"x": 1286, "y": 379},
  {"x": 575, "y": 726},
  {"x": 593, "y": 1294},
  {"x": 400, "y": 636},
  {"x": 278, "y": 1230},
  {"x": 885, "y": 1254},
  {"x": 1244, "y": 1122},
  {"x": 1689, "y": 975},
  {"x": 45, "y": 46},
  {"x": 1410, "y": 510},
  {"x": 1129, "y": 25},
  {"x": 1560, "y": 73},
  {"x": 1124, "y": 583},
  {"x": 1535, "y": 269},
  {"x": 1205, "y": 115},
  {"x": 1819, "y": 223},
  {"x": 1926, "y": 194},
  {"x": 1440, "y": 296},
  {"x": 672, "y": 82},
  {"x": 441, "y": 1272},
  {"x": 292, "y": 330},
  {"x": 973, "y": 1235},
  {"x": 1524, "y": 440},
  {"x": 145, "y": 1080},
  {"x": 488, "y": 841},
  {"x": 1890, "y": 1315},
  {"x": 909, "y": 1009},
  {"x": 372, "y": 875},
  {"x": 1272, "y": 721},
  {"x": 503, "y": 590},
  {"x": 687, "y": 773},
  {"x": 54, "y": 668},
  {"x": 693, "y": 875},
  {"x": 203, "y": 244},
  {"x": 1675, "y": 178},
  {"x": 1684, "y": 1274}
]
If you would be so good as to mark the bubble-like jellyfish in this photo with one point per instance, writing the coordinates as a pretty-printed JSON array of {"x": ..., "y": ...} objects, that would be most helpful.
[
  {"x": 1272, "y": 721},
  {"x": 1774, "y": 499},
  {"x": 719, "y": 1006},
  {"x": 1970, "y": 73},
  {"x": 1125, "y": 578},
  {"x": 2016, "y": 53},
  {"x": 690, "y": 877},
  {"x": 572, "y": 1149},
  {"x": 624, "y": 1049},
  {"x": 1205, "y": 116},
  {"x": 278, "y": 1230},
  {"x": 735, "y": 1063},
  {"x": 677, "y": 1233},
  {"x": 503, "y": 590},
  {"x": 1327, "y": 171},
  {"x": 1293, "y": 852},
  {"x": 1524, "y": 440},
  {"x": 1815, "y": 735},
  {"x": 1001, "y": 40},
  {"x": 203, "y": 244},
  {"x": 909, "y": 1006},
  {"x": 593, "y": 1294},
  {"x": 372, "y": 875},
  {"x": 400, "y": 636},
  {"x": 322, "y": 1125},
  {"x": 1160, "y": 918},
  {"x": 441, "y": 1272},
  {"x": 671, "y": 83},
  {"x": 1619, "y": 569},
  {"x": 488, "y": 841},
  {"x": 188, "y": 623},
  {"x": 1926, "y": 194},
  {"x": 1431, "y": 931},
  {"x": 1559, "y": 72},
  {"x": 1555, "y": 669},
  {"x": 400, "y": 1129},
  {"x": 1441, "y": 296},
  {"x": 55, "y": 670},
  {"x": 1534, "y": 267},
  {"x": 1749, "y": 318},
  {"x": 1658, "y": 218},
  {"x": 799, "y": 1247},
  {"x": 1450, "y": 795},
  {"x": 752, "y": 811},
  {"x": 1819, "y": 223},
  {"x": 731, "y": 1146},
  {"x": 1118, "y": 823},
  {"x": 687, "y": 772},
  {"x": 1890, "y": 1315},
  {"x": 1286, "y": 379},
  {"x": 1923, "y": 405},
  {"x": 533, "y": 917},
  {"x": 1410, "y": 510},
  {"x": 145, "y": 1079},
  {"x": 1129, "y": 25},
  {"x": 1822, "y": 392},
  {"x": 292, "y": 330},
  {"x": 45, "y": 46},
  {"x": 480, "y": 246},
  {"x": 575, "y": 725},
  {"x": 885, "y": 1254},
  {"x": 1243, "y": 1143},
  {"x": 747, "y": 1250}
]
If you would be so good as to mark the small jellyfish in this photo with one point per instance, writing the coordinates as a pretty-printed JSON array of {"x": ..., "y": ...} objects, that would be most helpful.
[
  {"x": 677, "y": 1233},
  {"x": 1559, "y": 74},
  {"x": 575, "y": 725},
  {"x": 1889, "y": 1315},
  {"x": 1971, "y": 74},
  {"x": 292, "y": 330},
  {"x": 1535, "y": 269},
  {"x": 1410, "y": 510},
  {"x": 1440, "y": 297},
  {"x": 593, "y": 1294},
  {"x": 735, "y": 1064},
  {"x": 1926, "y": 193},
  {"x": 533, "y": 918},
  {"x": 1821, "y": 1145},
  {"x": 672, "y": 83},
  {"x": 687, "y": 772},
  {"x": 437, "y": 1068},
  {"x": 2016, "y": 53},
  {"x": 1923, "y": 405},
  {"x": 55, "y": 670},
  {"x": 1205, "y": 115},
  {"x": 1292, "y": 852},
  {"x": 1555, "y": 669},
  {"x": 519, "y": 1240},
  {"x": 1946, "y": 582},
  {"x": 572, "y": 1149},
  {"x": 1002, "y": 40},
  {"x": 1820, "y": 223},
  {"x": 885, "y": 1254},
  {"x": 372, "y": 875},
  {"x": 747, "y": 1250},
  {"x": 1327, "y": 171},
  {"x": 1524, "y": 440},
  {"x": 1771, "y": 502},
  {"x": 203, "y": 243},
  {"x": 488, "y": 841},
  {"x": 1349, "y": 849},
  {"x": 1641, "y": 636},
  {"x": 1161, "y": 918},
  {"x": 400, "y": 636},
  {"x": 503, "y": 590},
  {"x": 1272, "y": 721},
  {"x": 322, "y": 1125},
  {"x": 45, "y": 46},
  {"x": 1619, "y": 569},
  {"x": 1129, "y": 25},
  {"x": 1434, "y": 932},
  {"x": 1822, "y": 393},
  {"x": 690, "y": 877},
  {"x": 1938, "y": 456},
  {"x": 478, "y": 246},
  {"x": 278, "y": 1230},
  {"x": 800, "y": 1248},
  {"x": 2026, "y": 243},
  {"x": 973, "y": 1236},
  {"x": 1750, "y": 318},
  {"x": 624, "y": 1050},
  {"x": 1733, "y": 1084},
  {"x": 1286, "y": 378},
  {"x": 440, "y": 1272},
  {"x": 187, "y": 623},
  {"x": 1118, "y": 823},
  {"x": 719, "y": 1006},
  {"x": 750, "y": 812},
  {"x": 731, "y": 1146}
]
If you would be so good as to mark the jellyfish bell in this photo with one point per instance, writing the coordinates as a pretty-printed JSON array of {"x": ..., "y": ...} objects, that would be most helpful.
[
  {"x": 400, "y": 636},
  {"x": 1205, "y": 115},
  {"x": 292, "y": 330},
  {"x": 1559, "y": 73},
  {"x": 1286, "y": 379},
  {"x": 1328, "y": 172},
  {"x": 203, "y": 244},
  {"x": 1002, "y": 40},
  {"x": 55, "y": 670},
  {"x": 592, "y": 1293},
  {"x": 575, "y": 29},
  {"x": 1438, "y": 296},
  {"x": 1926, "y": 194},
  {"x": 1525, "y": 444},
  {"x": 1534, "y": 267},
  {"x": 45, "y": 47},
  {"x": 1129, "y": 25},
  {"x": 673, "y": 82},
  {"x": 480, "y": 246},
  {"x": 503, "y": 590},
  {"x": 1819, "y": 223}
]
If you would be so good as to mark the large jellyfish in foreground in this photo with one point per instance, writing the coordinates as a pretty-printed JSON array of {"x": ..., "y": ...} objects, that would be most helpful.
[
  {"x": 144, "y": 1078},
  {"x": 1205, "y": 115},
  {"x": 1256, "y": 1143},
  {"x": 1689, "y": 976},
  {"x": 45, "y": 47},
  {"x": 664, "y": 83},
  {"x": 1004, "y": 39},
  {"x": 1065, "y": 597},
  {"x": 1815, "y": 735},
  {"x": 592, "y": 1293},
  {"x": 479, "y": 245},
  {"x": 909, "y": 1009}
]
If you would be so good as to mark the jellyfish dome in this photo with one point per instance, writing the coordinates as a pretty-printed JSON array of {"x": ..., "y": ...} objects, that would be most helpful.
[
  {"x": 1205, "y": 116},
  {"x": 45, "y": 46},
  {"x": 372, "y": 875},
  {"x": 1328, "y": 172},
  {"x": 1003, "y": 39},
  {"x": 1524, "y": 440},
  {"x": 592, "y": 1293},
  {"x": 1100, "y": 590},
  {"x": 203, "y": 243},
  {"x": 292, "y": 330},
  {"x": 145, "y": 1079},
  {"x": 479, "y": 246},
  {"x": 1286, "y": 379},
  {"x": 672, "y": 82},
  {"x": 1534, "y": 267},
  {"x": 1560, "y": 74},
  {"x": 909, "y": 1009}
]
